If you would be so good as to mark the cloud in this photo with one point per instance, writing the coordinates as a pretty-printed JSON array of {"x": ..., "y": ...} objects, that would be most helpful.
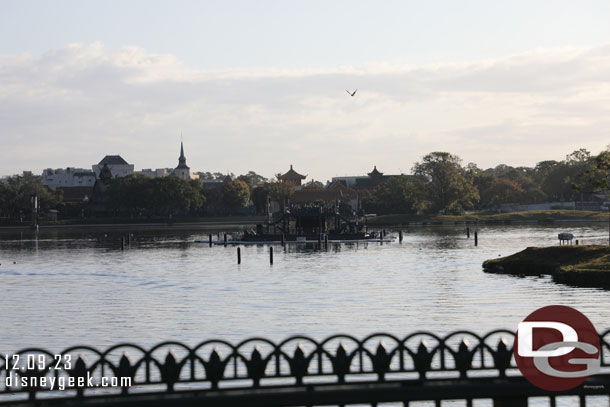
[{"x": 71, "y": 106}]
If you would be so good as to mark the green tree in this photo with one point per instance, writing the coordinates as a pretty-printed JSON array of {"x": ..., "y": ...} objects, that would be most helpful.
[
  {"x": 400, "y": 194},
  {"x": 448, "y": 186},
  {"x": 155, "y": 196},
  {"x": 560, "y": 178},
  {"x": 252, "y": 179},
  {"x": 597, "y": 178},
  {"x": 235, "y": 194},
  {"x": 259, "y": 197},
  {"x": 16, "y": 196},
  {"x": 501, "y": 190},
  {"x": 279, "y": 191}
]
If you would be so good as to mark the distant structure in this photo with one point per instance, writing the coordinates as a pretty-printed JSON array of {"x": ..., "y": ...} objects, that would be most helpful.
[
  {"x": 314, "y": 193},
  {"x": 68, "y": 178},
  {"x": 76, "y": 183},
  {"x": 292, "y": 178},
  {"x": 116, "y": 164},
  {"x": 157, "y": 173},
  {"x": 182, "y": 171},
  {"x": 369, "y": 181}
]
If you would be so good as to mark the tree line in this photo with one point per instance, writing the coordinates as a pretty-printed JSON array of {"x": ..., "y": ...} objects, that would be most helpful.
[{"x": 439, "y": 182}]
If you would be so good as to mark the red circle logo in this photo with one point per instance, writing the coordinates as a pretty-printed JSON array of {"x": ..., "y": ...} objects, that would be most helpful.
[{"x": 557, "y": 348}]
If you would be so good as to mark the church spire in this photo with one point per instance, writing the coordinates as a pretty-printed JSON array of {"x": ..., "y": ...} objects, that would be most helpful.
[{"x": 182, "y": 158}]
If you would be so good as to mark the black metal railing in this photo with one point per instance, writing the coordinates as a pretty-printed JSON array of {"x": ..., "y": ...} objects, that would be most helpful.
[{"x": 338, "y": 370}]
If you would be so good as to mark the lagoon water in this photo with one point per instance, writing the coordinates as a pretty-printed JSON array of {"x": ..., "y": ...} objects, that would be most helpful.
[{"x": 67, "y": 288}]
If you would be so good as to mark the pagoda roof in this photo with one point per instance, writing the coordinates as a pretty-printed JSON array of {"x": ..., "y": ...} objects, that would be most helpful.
[
  {"x": 375, "y": 173},
  {"x": 113, "y": 160},
  {"x": 293, "y": 175}
]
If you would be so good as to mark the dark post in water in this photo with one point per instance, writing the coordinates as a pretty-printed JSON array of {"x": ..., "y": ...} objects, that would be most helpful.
[
  {"x": 238, "y": 255},
  {"x": 476, "y": 238},
  {"x": 271, "y": 255}
]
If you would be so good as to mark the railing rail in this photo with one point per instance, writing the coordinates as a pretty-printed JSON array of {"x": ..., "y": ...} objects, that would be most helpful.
[{"x": 299, "y": 370}]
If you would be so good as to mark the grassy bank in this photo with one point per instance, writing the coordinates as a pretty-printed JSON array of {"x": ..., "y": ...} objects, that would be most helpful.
[
  {"x": 547, "y": 216},
  {"x": 583, "y": 266}
]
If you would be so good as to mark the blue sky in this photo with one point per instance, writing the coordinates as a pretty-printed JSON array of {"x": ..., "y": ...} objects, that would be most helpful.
[{"x": 260, "y": 85}]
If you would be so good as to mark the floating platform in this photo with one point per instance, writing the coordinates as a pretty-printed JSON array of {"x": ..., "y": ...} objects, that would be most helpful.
[{"x": 293, "y": 242}]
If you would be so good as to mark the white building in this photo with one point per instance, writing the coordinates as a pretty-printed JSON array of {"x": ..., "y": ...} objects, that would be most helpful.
[
  {"x": 68, "y": 177},
  {"x": 117, "y": 165}
]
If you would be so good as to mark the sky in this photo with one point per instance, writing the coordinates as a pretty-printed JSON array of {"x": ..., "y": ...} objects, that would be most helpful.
[{"x": 260, "y": 85}]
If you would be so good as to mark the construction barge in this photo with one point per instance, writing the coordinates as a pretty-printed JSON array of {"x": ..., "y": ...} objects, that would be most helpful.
[{"x": 301, "y": 224}]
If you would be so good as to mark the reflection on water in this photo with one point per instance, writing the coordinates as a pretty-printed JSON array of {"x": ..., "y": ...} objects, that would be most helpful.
[{"x": 67, "y": 288}]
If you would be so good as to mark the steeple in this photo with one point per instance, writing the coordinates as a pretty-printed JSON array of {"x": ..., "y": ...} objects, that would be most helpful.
[{"x": 182, "y": 158}]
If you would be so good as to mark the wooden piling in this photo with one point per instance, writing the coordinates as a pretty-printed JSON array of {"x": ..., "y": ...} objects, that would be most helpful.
[
  {"x": 225, "y": 240},
  {"x": 271, "y": 255},
  {"x": 210, "y": 238},
  {"x": 400, "y": 236},
  {"x": 476, "y": 238},
  {"x": 468, "y": 232},
  {"x": 326, "y": 241},
  {"x": 238, "y": 255}
]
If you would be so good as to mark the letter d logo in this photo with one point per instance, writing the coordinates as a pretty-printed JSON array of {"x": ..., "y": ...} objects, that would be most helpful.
[{"x": 556, "y": 348}]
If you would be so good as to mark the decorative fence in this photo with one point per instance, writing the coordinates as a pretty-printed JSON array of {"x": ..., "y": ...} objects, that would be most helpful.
[{"x": 298, "y": 371}]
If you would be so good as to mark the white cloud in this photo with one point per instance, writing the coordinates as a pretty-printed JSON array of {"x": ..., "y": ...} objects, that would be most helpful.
[{"x": 74, "y": 105}]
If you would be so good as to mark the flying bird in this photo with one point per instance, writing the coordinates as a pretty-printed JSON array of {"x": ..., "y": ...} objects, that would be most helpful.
[{"x": 351, "y": 93}]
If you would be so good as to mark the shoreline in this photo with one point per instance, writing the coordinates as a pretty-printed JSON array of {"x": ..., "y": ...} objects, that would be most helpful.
[
  {"x": 214, "y": 225},
  {"x": 580, "y": 266}
]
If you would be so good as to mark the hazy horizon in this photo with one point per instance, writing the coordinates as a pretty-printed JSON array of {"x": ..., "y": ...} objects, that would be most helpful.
[{"x": 260, "y": 86}]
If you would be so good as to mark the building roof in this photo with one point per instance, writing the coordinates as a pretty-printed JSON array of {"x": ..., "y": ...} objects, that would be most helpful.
[
  {"x": 84, "y": 174},
  {"x": 375, "y": 173},
  {"x": 113, "y": 160},
  {"x": 293, "y": 175}
]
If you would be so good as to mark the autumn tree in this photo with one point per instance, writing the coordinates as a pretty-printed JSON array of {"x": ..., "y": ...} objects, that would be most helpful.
[
  {"x": 235, "y": 194},
  {"x": 279, "y": 191},
  {"x": 501, "y": 190},
  {"x": 252, "y": 179},
  {"x": 448, "y": 186}
]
